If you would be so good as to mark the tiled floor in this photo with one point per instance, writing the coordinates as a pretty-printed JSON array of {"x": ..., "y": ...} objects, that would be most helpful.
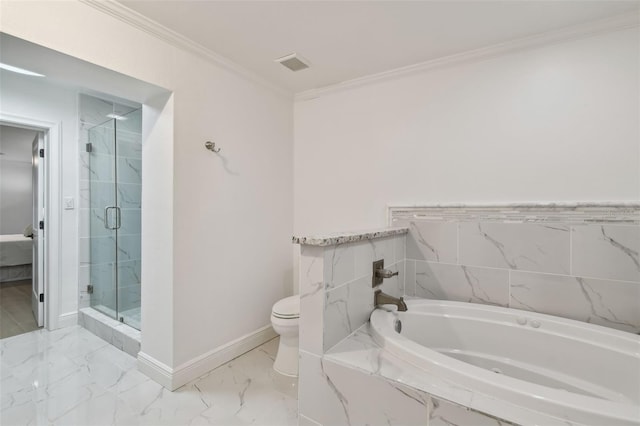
[
  {"x": 72, "y": 377},
  {"x": 15, "y": 309}
]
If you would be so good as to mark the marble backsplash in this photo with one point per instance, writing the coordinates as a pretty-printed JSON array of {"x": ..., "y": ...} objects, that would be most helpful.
[{"x": 574, "y": 261}]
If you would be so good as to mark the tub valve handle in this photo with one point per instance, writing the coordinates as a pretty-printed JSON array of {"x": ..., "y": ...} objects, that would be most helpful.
[
  {"x": 386, "y": 273},
  {"x": 379, "y": 273}
]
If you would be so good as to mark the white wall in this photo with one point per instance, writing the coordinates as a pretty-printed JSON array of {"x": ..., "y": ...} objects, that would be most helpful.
[
  {"x": 38, "y": 99},
  {"x": 15, "y": 179},
  {"x": 555, "y": 123},
  {"x": 15, "y": 196},
  {"x": 216, "y": 229}
]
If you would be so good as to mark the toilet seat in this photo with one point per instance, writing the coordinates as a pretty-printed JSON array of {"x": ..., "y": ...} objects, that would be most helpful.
[{"x": 287, "y": 308}]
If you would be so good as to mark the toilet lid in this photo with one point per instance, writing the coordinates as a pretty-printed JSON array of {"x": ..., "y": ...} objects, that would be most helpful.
[{"x": 289, "y": 307}]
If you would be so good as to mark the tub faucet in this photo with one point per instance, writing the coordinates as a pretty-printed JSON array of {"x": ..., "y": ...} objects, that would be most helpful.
[{"x": 381, "y": 298}]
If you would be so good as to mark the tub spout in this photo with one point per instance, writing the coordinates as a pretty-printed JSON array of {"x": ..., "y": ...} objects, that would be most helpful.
[{"x": 381, "y": 298}]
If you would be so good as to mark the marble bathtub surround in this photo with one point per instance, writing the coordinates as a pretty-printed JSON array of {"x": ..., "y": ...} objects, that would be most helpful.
[
  {"x": 609, "y": 303},
  {"x": 432, "y": 280},
  {"x": 519, "y": 256},
  {"x": 336, "y": 296},
  {"x": 579, "y": 261},
  {"x": 357, "y": 382},
  {"x": 528, "y": 247},
  {"x": 606, "y": 251}
]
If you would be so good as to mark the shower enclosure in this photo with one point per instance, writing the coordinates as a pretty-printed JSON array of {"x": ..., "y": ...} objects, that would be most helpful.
[{"x": 114, "y": 162}]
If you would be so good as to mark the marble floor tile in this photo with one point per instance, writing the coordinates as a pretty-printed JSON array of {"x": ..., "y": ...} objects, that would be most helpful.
[{"x": 72, "y": 377}]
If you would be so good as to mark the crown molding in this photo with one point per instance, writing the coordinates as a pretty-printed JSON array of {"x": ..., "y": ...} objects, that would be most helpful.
[
  {"x": 141, "y": 22},
  {"x": 616, "y": 23}
]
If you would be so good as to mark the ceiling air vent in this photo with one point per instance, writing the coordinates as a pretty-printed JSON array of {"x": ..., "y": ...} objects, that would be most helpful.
[{"x": 294, "y": 62}]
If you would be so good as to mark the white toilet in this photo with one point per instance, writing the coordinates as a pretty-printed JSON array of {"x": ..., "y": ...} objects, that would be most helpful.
[{"x": 284, "y": 319}]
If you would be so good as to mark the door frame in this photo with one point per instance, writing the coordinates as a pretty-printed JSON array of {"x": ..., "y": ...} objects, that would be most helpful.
[{"x": 53, "y": 213}]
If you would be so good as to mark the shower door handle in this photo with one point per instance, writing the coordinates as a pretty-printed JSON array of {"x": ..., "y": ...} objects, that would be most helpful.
[
  {"x": 118, "y": 217},
  {"x": 106, "y": 217}
]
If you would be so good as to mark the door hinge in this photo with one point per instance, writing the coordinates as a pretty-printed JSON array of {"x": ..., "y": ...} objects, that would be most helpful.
[
  {"x": 90, "y": 288},
  {"x": 41, "y": 297},
  {"x": 89, "y": 147},
  {"x": 42, "y": 153},
  {"x": 41, "y": 225}
]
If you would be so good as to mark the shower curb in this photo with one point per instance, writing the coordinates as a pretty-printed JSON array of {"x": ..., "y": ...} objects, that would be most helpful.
[{"x": 120, "y": 335}]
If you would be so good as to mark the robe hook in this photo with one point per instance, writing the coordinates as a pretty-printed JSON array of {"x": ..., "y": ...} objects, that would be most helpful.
[{"x": 211, "y": 146}]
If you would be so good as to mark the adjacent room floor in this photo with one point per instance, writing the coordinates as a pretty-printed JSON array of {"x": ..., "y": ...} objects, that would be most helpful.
[
  {"x": 72, "y": 377},
  {"x": 15, "y": 309}
]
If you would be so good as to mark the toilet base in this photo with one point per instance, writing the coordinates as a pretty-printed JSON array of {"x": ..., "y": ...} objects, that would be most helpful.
[{"x": 286, "y": 362}]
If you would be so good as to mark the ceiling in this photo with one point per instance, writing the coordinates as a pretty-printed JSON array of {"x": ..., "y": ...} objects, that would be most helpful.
[{"x": 344, "y": 40}]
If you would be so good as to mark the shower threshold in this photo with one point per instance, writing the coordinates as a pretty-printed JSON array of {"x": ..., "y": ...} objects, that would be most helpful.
[{"x": 118, "y": 334}]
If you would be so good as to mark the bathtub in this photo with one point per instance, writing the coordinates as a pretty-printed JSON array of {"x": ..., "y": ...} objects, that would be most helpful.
[{"x": 562, "y": 370}]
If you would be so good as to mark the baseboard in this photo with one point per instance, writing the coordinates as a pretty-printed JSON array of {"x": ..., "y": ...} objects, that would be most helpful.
[
  {"x": 157, "y": 371},
  {"x": 67, "y": 320},
  {"x": 174, "y": 378},
  {"x": 215, "y": 358}
]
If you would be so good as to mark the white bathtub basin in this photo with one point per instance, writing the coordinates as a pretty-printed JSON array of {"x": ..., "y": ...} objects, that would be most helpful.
[{"x": 567, "y": 370}]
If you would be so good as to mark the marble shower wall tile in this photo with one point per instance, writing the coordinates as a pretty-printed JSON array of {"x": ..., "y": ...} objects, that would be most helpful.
[
  {"x": 604, "y": 302},
  {"x": 129, "y": 195},
  {"x": 311, "y": 282},
  {"x": 129, "y": 170},
  {"x": 606, "y": 251},
  {"x": 433, "y": 241},
  {"x": 518, "y": 246},
  {"x": 445, "y": 413},
  {"x": 346, "y": 308},
  {"x": 332, "y": 394},
  {"x": 462, "y": 283}
]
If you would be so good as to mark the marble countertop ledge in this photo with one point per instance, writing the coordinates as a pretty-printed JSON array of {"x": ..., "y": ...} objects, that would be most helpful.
[{"x": 347, "y": 237}]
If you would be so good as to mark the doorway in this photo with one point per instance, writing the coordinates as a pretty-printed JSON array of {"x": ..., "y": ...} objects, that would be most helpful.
[{"x": 22, "y": 209}]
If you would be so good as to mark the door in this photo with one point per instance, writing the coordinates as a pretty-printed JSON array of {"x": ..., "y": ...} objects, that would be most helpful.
[
  {"x": 37, "y": 266},
  {"x": 104, "y": 218}
]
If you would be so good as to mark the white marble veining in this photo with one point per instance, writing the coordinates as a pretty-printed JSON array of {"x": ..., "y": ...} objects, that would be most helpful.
[
  {"x": 358, "y": 371},
  {"x": 71, "y": 377},
  {"x": 604, "y": 302},
  {"x": 528, "y": 247},
  {"x": 460, "y": 283},
  {"x": 312, "y": 295},
  {"x": 606, "y": 251},
  {"x": 435, "y": 241},
  {"x": 347, "y": 237},
  {"x": 346, "y": 309},
  {"x": 445, "y": 413}
]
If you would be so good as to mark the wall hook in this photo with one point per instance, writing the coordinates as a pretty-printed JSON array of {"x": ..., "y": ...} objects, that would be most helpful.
[{"x": 211, "y": 146}]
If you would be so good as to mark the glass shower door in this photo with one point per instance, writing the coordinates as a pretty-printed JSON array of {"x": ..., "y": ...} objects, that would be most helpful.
[
  {"x": 129, "y": 190},
  {"x": 104, "y": 218}
]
